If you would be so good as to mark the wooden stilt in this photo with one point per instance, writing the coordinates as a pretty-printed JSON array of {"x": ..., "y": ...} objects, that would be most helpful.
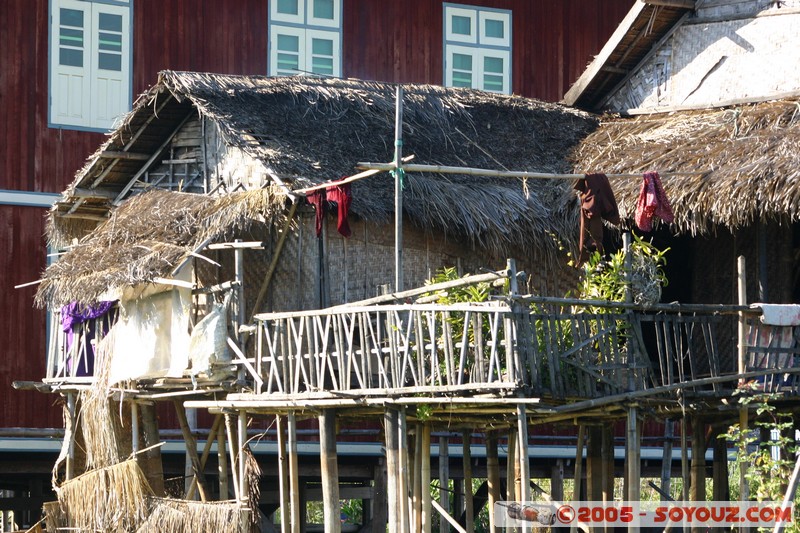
[
  {"x": 607, "y": 454},
  {"x": 212, "y": 436},
  {"x": 492, "y": 476},
  {"x": 523, "y": 460},
  {"x": 403, "y": 474},
  {"x": 134, "y": 427},
  {"x": 329, "y": 471},
  {"x": 666, "y": 458},
  {"x": 469, "y": 512},
  {"x": 697, "y": 492},
  {"x": 594, "y": 464},
  {"x": 283, "y": 474},
  {"x": 232, "y": 453},
  {"x": 154, "y": 471},
  {"x": 578, "y": 475},
  {"x": 189, "y": 465},
  {"x": 392, "y": 468},
  {"x": 294, "y": 476},
  {"x": 70, "y": 434},
  {"x": 633, "y": 458},
  {"x": 380, "y": 515},
  {"x": 417, "y": 482},
  {"x": 720, "y": 482},
  {"x": 557, "y": 481},
  {"x": 684, "y": 460},
  {"x": 511, "y": 467},
  {"x": 741, "y": 270},
  {"x": 222, "y": 465},
  {"x": 425, "y": 478},
  {"x": 444, "y": 481}
]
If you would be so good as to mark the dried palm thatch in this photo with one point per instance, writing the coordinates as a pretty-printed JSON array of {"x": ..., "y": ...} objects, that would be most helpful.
[
  {"x": 147, "y": 237},
  {"x": 185, "y": 516},
  {"x": 747, "y": 160},
  {"x": 99, "y": 420},
  {"x": 310, "y": 130},
  {"x": 54, "y": 519},
  {"x": 253, "y": 474},
  {"x": 114, "y": 498}
]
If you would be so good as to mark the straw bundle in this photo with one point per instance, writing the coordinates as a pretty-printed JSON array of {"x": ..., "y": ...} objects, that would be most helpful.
[
  {"x": 185, "y": 516},
  {"x": 54, "y": 519},
  {"x": 107, "y": 499},
  {"x": 253, "y": 473}
]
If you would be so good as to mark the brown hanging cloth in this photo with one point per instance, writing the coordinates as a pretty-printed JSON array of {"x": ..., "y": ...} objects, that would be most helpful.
[{"x": 597, "y": 204}]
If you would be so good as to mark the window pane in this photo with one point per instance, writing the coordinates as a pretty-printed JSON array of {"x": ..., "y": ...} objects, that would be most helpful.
[
  {"x": 109, "y": 61},
  {"x": 323, "y": 9},
  {"x": 70, "y": 37},
  {"x": 288, "y": 43},
  {"x": 288, "y": 63},
  {"x": 322, "y": 47},
  {"x": 110, "y": 22},
  {"x": 110, "y": 41},
  {"x": 288, "y": 7},
  {"x": 71, "y": 17},
  {"x": 462, "y": 62},
  {"x": 462, "y": 79},
  {"x": 493, "y": 83},
  {"x": 70, "y": 57},
  {"x": 493, "y": 65},
  {"x": 322, "y": 65},
  {"x": 495, "y": 28},
  {"x": 462, "y": 25}
]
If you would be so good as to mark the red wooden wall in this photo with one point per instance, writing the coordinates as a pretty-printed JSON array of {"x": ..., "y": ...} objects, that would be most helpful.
[{"x": 396, "y": 41}]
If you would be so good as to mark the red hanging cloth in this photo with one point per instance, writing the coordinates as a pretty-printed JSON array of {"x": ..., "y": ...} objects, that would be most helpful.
[{"x": 652, "y": 203}]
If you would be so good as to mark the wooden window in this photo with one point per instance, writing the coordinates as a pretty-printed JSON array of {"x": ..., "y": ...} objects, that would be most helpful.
[
  {"x": 90, "y": 67},
  {"x": 305, "y": 37},
  {"x": 477, "y": 48}
]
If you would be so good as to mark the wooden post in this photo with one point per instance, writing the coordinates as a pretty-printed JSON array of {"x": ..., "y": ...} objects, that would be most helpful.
[
  {"x": 417, "y": 482},
  {"x": 511, "y": 467},
  {"x": 744, "y": 489},
  {"x": 380, "y": 515},
  {"x": 721, "y": 488},
  {"x": 557, "y": 481},
  {"x": 403, "y": 477},
  {"x": 684, "y": 460},
  {"x": 425, "y": 478},
  {"x": 155, "y": 469},
  {"x": 492, "y": 476},
  {"x": 666, "y": 458},
  {"x": 594, "y": 468},
  {"x": 469, "y": 512},
  {"x": 190, "y": 416},
  {"x": 633, "y": 457},
  {"x": 392, "y": 468},
  {"x": 283, "y": 474},
  {"x": 444, "y": 481},
  {"x": 522, "y": 454},
  {"x": 294, "y": 476},
  {"x": 330, "y": 471},
  {"x": 134, "y": 427},
  {"x": 607, "y": 454},
  {"x": 244, "y": 480},
  {"x": 698, "y": 484},
  {"x": 576, "y": 488},
  {"x": 70, "y": 434},
  {"x": 222, "y": 466},
  {"x": 231, "y": 435}
]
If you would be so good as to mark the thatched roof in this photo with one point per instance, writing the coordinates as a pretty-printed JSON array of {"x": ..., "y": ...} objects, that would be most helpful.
[
  {"x": 747, "y": 160},
  {"x": 147, "y": 237},
  {"x": 312, "y": 130}
]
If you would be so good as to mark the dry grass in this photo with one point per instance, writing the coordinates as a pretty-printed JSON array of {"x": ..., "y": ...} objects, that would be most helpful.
[
  {"x": 184, "y": 516},
  {"x": 747, "y": 159}
]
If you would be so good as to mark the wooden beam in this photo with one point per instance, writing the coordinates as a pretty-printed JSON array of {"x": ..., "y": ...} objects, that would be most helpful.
[
  {"x": 103, "y": 194},
  {"x": 191, "y": 449},
  {"x": 576, "y": 91},
  {"x": 116, "y": 154},
  {"x": 680, "y": 4}
]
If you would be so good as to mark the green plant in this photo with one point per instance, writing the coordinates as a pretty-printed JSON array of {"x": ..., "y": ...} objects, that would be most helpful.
[{"x": 766, "y": 472}]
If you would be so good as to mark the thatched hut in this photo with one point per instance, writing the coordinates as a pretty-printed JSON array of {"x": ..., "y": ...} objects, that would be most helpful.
[
  {"x": 732, "y": 176},
  {"x": 208, "y": 158}
]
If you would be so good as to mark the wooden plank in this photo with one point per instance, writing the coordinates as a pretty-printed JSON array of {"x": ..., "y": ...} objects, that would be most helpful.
[
  {"x": 492, "y": 476},
  {"x": 117, "y": 154}
]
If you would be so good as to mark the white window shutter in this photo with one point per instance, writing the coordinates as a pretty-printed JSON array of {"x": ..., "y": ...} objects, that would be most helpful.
[
  {"x": 110, "y": 59},
  {"x": 70, "y": 98}
]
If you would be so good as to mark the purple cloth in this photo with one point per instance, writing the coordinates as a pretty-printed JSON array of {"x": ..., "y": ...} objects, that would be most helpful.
[{"x": 73, "y": 315}]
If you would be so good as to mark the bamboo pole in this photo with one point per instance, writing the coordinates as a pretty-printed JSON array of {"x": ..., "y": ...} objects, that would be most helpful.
[
  {"x": 398, "y": 192},
  {"x": 222, "y": 465},
  {"x": 155, "y": 469},
  {"x": 511, "y": 467},
  {"x": 684, "y": 461},
  {"x": 469, "y": 511},
  {"x": 469, "y": 171},
  {"x": 444, "y": 480},
  {"x": 232, "y": 453},
  {"x": 329, "y": 471},
  {"x": 492, "y": 476},
  {"x": 425, "y": 479},
  {"x": 666, "y": 457},
  {"x": 212, "y": 436},
  {"x": 417, "y": 486},
  {"x": 523, "y": 457},
  {"x": 741, "y": 271},
  {"x": 405, "y": 519},
  {"x": 578, "y": 470},
  {"x": 392, "y": 466},
  {"x": 70, "y": 435},
  {"x": 343, "y": 181},
  {"x": 294, "y": 475},
  {"x": 698, "y": 466},
  {"x": 283, "y": 474},
  {"x": 191, "y": 450}
]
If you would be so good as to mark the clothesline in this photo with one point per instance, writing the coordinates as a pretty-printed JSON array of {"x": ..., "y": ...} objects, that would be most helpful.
[{"x": 349, "y": 179}]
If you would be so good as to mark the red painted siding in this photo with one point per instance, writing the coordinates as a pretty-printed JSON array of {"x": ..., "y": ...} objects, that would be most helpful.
[{"x": 385, "y": 40}]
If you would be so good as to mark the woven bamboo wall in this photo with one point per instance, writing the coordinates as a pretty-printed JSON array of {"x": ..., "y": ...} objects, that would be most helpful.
[{"x": 731, "y": 50}]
